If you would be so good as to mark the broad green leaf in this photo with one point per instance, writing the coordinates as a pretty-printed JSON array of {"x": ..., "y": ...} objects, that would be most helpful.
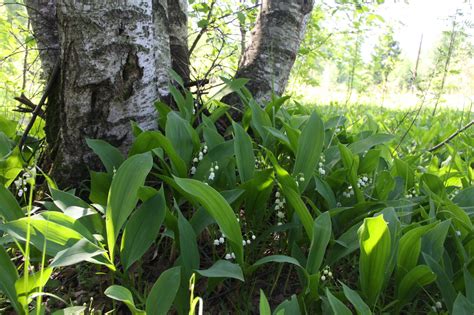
[
  {"x": 319, "y": 242},
  {"x": 409, "y": 249},
  {"x": 100, "y": 186},
  {"x": 413, "y": 281},
  {"x": 369, "y": 142},
  {"x": 336, "y": 305},
  {"x": 295, "y": 201},
  {"x": 243, "y": 153},
  {"x": 189, "y": 250},
  {"x": 223, "y": 269},
  {"x": 443, "y": 282},
  {"x": 356, "y": 300},
  {"x": 123, "y": 194},
  {"x": 25, "y": 287},
  {"x": 163, "y": 293},
  {"x": 83, "y": 250},
  {"x": 264, "y": 306},
  {"x": 182, "y": 136},
  {"x": 124, "y": 295},
  {"x": 108, "y": 154},
  {"x": 73, "y": 310},
  {"x": 290, "y": 306},
  {"x": 277, "y": 259},
  {"x": 432, "y": 242},
  {"x": 9, "y": 207},
  {"x": 150, "y": 140},
  {"x": 219, "y": 209},
  {"x": 142, "y": 229},
  {"x": 375, "y": 248},
  {"x": 55, "y": 229},
  {"x": 64, "y": 200},
  {"x": 462, "y": 306},
  {"x": 8, "y": 277},
  {"x": 310, "y": 146}
]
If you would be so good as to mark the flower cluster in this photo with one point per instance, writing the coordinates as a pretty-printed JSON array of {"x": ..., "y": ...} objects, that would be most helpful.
[
  {"x": 437, "y": 306},
  {"x": 20, "y": 183},
  {"x": 321, "y": 169},
  {"x": 198, "y": 158},
  {"x": 363, "y": 181},
  {"x": 279, "y": 207},
  {"x": 411, "y": 193},
  {"x": 349, "y": 192},
  {"x": 326, "y": 274},
  {"x": 249, "y": 240},
  {"x": 212, "y": 170}
]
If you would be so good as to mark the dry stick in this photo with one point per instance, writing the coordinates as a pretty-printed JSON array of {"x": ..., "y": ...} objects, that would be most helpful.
[
  {"x": 439, "y": 145},
  {"x": 37, "y": 109}
]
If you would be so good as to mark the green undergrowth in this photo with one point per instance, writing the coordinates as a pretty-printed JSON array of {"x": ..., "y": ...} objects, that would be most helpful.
[{"x": 294, "y": 210}]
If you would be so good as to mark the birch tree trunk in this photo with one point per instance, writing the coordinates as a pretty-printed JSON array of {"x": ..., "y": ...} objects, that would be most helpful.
[
  {"x": 178, "y": 33},
  {"x": 275, "y": 41},
  {"x": 114, "y": 63}
]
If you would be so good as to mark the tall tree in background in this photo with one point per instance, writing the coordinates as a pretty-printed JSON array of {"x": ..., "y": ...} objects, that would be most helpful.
[
  {"x": 114, "y": 59},
  {"x": 274, "y": 45}
]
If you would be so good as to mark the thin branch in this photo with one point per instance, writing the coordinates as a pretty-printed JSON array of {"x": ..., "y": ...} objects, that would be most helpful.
[
  {"x": 451, "y": 137},
  {"x": 37, "y": 110}
]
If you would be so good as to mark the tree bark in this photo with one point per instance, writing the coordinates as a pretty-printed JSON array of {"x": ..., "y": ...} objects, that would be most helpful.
[
  {"x": 114, "y": 65},
  {"x": 43, "y": 19},
  {"x": 275, "y": 41},
  {"x": 178, "y": 34}
]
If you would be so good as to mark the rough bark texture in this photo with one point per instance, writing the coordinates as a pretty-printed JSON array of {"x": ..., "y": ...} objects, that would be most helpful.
[
  {"x": 43, "y": 19},
  {"x": 178, "y": 33},
  {"x": 114, "y": 64},
  {"x": 272, "y": 51}
]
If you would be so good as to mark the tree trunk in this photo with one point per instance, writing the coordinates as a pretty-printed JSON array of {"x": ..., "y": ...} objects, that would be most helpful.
[
  {"x": 178, "y": 34},
  {"x": 273, "y": 48},
  {"x": 43, "y": 19},
  {"x": 114, "y": 65}
]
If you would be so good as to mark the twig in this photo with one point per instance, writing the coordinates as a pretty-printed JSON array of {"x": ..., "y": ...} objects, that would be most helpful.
[
  {"x": 203, "y": 30},
  {"x": 37, "y": 109},
  {"x": 439, "y": 145}
]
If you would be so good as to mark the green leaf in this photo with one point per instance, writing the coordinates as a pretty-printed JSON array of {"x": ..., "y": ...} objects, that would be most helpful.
[
  {"x": 336, "y": 305},
  {"x": 100, "y": 186},
  {"x": 375, "y": 247},
  {"x": 188, "y": 246},
  {"x": 310, "y": 146},
  {"x": 243, "y": 153},
  {"x": 123, "y": 194},
  {"x": 142, "y": 229},
  {"x": 277, "y": 259},
  {"x": 36, "y": 281},
  {"x": 108, "y": 154},
  {"x": 264, "y": 306},
  {"x": 356, "y": 300},
  {"x": 443, "y": 282},
  {"x": 9, "y": 207},
  {"x": 319, "y": 242},
  {"x": 219, "y": 209},
  {"x": 223, "y": 269},
  {"x": 124, "y": 295},
  {"x": 83, "y": 250},
  {"x": 295, "y": 201},
  {"x": 409, "y": 249},
  {"x": 462, "y": 306},
  {"x": 150, "y": 140},
  {"x": 369, "y": 142},
  {"x": 163, "y": 293},
  {"x": 414, "y": 280},
  {"x": 182, "y": 136},
  {"x": 73, "y": 310},
  {"x": 58, "y": 230},
  {"x": 8, "y": 277}
]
